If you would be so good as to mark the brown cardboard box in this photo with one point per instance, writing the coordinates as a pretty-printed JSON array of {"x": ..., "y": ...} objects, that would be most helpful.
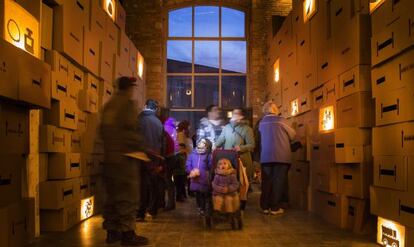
[
  {"x": 332, "y": 207},
  {"x": 8, "y": 71},
  {"x": 60, "y": 220},
  {"x": 324, "y": 176},
  {"x": 76, "y": 77},
  {"x": 84, "y": 187},
  {"x": 92, "y": 83},
  {"x": 47, "y": 27},
  {"x": 87, "y": 164},
  {"x": 396, "y": 74},
  {"x": 108, "y": 50},
  {"x": 69, "y": 22},
  {"x": 357, "y": 215},
  {"x": 14, "y": 130},
  {"x": 63, "y": 114},
  {"x": 88, "y": 101},
  {"x": 298, "y": 199},
  {"x": 43, "y": 166},
  {"x": 357, "y": 79},
  {"x": 64, "y": 166},
  {"x": 323, "y": 147},
  {"x": 17, "y": 225},
  {"x": 98, "y": 161},
  {"x": 391, "y": 172},
  {"x": 355, "y": 110},
  {"x": 354, "y": 179},
  {"x": 387, "y": 13},
  {"x": 318, "y": 97},
  {"x": 353, "y": 136},
  {"x": 59, "y": 193},
  {"x": 82, "y": 122},
  {"x": 123, "y": 46},
  {"x": 91, "y": 48},
  {"x": 352, "y": 145},
  {"x": 406, "y": 208},
  {"x": 120, "y": 16},
  {"x": 330, "y": 92},
  {"x": 60, "y": 86},
  {"x": 133, "y": 59},
  {"x": 299, "y": 176},
  {"x": 326, "y": 62},
  {"x": 395, "y": 107},
  {"x": 97, "y": 20},
  {"x": 121, "y": 68},
  {"x": 384, "y": 202},
  {"x": 59, "y": 64},
  {"x": 305, "y": 102},
  {"x": 54, "y": 139},
  {"x": 11, "y": 178},
  {"x": 76, "y": 142},
  {"x": 397, "y": 139}
]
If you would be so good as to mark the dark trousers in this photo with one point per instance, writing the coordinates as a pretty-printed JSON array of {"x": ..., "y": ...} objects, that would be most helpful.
[
  {"x": 149, "y": 194},
  {"x": 180, "y": 181},
  {"x": 274, "y": 176},
  {"x": 204, "y": 201}
]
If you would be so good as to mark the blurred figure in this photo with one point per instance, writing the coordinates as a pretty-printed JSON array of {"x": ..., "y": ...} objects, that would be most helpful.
[
  {"x": 210, "y": 127},
  {"x": 121, "y": 135},
  {"x": 169, "y": 147},
  {"x": 275, "y": 157},
  {"x": 185, "y": 148},
  {"x": 152, "y": 130}
]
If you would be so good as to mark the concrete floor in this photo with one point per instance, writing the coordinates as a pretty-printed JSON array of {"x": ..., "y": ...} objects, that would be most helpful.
[{"x": 183, "y": 227}]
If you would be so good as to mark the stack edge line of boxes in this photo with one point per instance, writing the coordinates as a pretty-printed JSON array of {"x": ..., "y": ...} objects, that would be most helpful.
[
  {"x": 319, "y": 76},
  {"x": 392, "y": 56},
  {"x": 87, "y": 48}
]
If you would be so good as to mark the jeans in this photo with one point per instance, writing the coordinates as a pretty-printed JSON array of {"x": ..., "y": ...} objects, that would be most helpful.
[
  {"x": 149, "y": 194},
  {"x": 204, "y": 201},
  {"x": 274, "y": 176}
]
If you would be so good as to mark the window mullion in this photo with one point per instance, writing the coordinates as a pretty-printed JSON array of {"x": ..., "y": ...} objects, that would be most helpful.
[{"x": 192, "y": 61}]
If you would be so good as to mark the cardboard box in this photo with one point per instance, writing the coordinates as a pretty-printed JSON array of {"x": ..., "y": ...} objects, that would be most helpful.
[
  {"x": 326, "y": 62},
  {"x": 11, "y": 167},
  {"x": 54, "y": 139},
  {"x": 357, "y": 215},
  {"x": 59, "y": 64},
  {"x": 332, "y": 207},
  {"x": 87, "y": 164},
  {"x": 123, "y": 46},
  {"x": 14, "y": 130},
  {"x": 298, "y": 199},
  {"x": 47, "y": 27},
  {"x": 17, "y": 226},
  {"x": 76, "y": 77},
  {"x": 355, "y": 110},
  {"x": 92, "y": 83},
  {"x": 133, "y": 57},
  {"x": 8, "y": 71},
  {"x": 330, "y": 92},
  {"x": 318, "y": 97},
  {"x": 84, "y": 187},
  {"x": 108, "y": 50},
  {"x": 395, "y": 106},
  {"x": 91, "y": 51},
  {"x": 387, "y": 13},
  {"x": 352, "y": 145},
  {"x": 82, "y": 122},
  {"x": 98, "y": 162},
  {"x": 352, "y": 137},
  {"x": 97, "y": 20},
  {"x": 396, "y": 74},
  {"x": 384, "y": 202},
  {"x": 64, "y": 166},
  {"x": 391, "y": 172},
  {"x": 63, "y": 114},
  {"x": 324, "y": 176},
  {"x": 60, "y": 220},
  {"x": 59, "y": 193},
  {"x": 357, "y": 79},
  {"x": 88, "y": 101},
  {"x": 354, "y": 179},
  {"x": 120, "y": 19},
  {"x": 299, "y": 176},
  {"x": 305, "y": 102},
  {"x": 323, "y": 147},
  {"x": 397, "y": 139},
  {"x": 76, "y": 144},
  {"x": 15, "y": 18},
  {"x": 69, "y": 22}
]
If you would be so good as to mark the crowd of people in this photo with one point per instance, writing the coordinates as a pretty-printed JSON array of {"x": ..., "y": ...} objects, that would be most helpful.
[{"x": 179, "y": 166}]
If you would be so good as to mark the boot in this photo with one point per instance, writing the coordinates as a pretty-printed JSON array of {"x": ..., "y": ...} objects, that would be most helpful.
[
  {"x": 113, "y": 236},
  {"x": 132, "y": 239}
]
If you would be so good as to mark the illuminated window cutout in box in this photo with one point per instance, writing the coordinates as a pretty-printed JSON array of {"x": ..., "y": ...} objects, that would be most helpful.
[
  {"x": 390, "y": 233},
  {"x": 373, "y": 5},
  {"x": 294, "y": 107},
  {"x": 140, "y": 64},
  {"x": 87, "y": 207},
  {"x": 326, "y": 118},
  {"x": 20, "y": 28},
  {"x": 110, "y": 8},
  {"x": 276, "y": 71},
  {"x": 309, "y": 9}
]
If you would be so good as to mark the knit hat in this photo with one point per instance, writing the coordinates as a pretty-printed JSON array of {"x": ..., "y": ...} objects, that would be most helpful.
[{"x": 125, "y": 82}]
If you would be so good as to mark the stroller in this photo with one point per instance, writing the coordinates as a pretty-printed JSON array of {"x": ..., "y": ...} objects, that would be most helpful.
[{"x": 214, "y": 216}]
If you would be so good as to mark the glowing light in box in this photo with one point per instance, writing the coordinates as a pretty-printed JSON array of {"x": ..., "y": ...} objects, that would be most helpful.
[
  {"x": 326, "y": 118},
  {"x": 294, "y": 107},
  {"x": 276, "y": 70},
  {"x": 110, "y": 7},
  {"x": 374, "y": 4},
  {"x": 309, "y": 9},
  {"x": 87, "y": 207},
  {"x": 140, "y": 60},
  {"x": 390, "y": 233},
  {"x": 21, "y": 29}
]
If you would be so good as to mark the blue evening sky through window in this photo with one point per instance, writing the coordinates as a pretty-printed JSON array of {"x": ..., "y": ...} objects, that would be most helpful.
[{"x": 206, "y": 24}]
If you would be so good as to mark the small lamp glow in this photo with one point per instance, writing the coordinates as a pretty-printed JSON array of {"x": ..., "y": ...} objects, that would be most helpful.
[
  {"x": 229, "y": 114},
  {"x": 390, "y": 233},
  {"x": 326, "y": 118},
  {"x": 374, "y": 4},
  {"x": 87, "y": 207},
  {"x": 294, "y": 107},
  {"x": 140, "y": 60},
  {"x": 110, "y": 7},
  {"x": 276, "y": 71},
  {"x": 309, "y": 9}
]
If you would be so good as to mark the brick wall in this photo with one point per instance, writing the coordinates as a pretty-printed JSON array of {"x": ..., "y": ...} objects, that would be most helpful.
[{"x": 146, "y": 26}]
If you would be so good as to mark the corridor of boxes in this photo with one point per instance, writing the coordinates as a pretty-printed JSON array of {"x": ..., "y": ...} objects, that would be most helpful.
[{"x": 340, "y": 71}]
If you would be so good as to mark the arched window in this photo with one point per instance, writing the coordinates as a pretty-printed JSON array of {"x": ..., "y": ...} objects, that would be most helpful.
[{"x": 206, "y": 58}]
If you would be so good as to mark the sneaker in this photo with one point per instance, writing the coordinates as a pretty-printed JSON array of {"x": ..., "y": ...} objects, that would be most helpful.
[
  {"x": 113, "y": 236},
  {"x": 266, "y": 211},
  {"x": 132, "y": 239},
  {"x": 277, "y": 212}
]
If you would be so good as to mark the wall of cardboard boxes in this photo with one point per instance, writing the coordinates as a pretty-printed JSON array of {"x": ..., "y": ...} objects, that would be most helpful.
[
  {"x": 321, "y": 65},
  {"x": 61, "y": 57}
]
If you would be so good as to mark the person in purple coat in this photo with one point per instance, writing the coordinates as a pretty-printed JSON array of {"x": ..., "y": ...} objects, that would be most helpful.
[{"x": 198, "y": 167}]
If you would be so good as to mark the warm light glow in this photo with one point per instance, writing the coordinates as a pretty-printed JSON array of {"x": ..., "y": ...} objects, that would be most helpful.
[
  {"x": 21, "y": 29},
  {"x": 374, "y": 4},
  {"x": 140, "y": 60},
  {"x": 294, "y": 107},
  {"x": 110, "y": 7},
  {"x": 326, "y": 118},
  {"x": 87, "y": 207},
  {"x": 229, "y": 114},
  {"x": 390, "y": 233},
  {"x": 276, "y": 71},
  {"x": 309, "y": 9}
]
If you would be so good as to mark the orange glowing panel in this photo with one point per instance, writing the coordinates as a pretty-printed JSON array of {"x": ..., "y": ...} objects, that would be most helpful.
[
  {"x": 110, "y": 8},
  {"x": 390, "y": 233},
  {"x": 373, "y": 5},
  {"x": 20, "y": 28},
  {"x": 309, "y": 9},
  {"x": 87, "y": 207},
  {"x": 294, "y": 107},
  {"x": 276, "y": 71},
  {"x": 140, "y": 64},
  {"x": 326, "y": 118}
]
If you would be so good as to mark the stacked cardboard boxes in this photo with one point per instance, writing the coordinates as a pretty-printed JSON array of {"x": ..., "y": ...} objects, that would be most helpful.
[
  {"x": 319, "y": 76},
  {"x": 392, "y": 194}
]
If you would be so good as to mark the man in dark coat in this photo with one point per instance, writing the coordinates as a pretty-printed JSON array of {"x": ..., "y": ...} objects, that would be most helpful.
[
  {"x": 152, "y": 130},
  {"x": 120, "y": 135}
]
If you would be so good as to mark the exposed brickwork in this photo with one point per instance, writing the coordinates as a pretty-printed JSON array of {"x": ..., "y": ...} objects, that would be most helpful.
[{"x": 146, "y": 26}]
